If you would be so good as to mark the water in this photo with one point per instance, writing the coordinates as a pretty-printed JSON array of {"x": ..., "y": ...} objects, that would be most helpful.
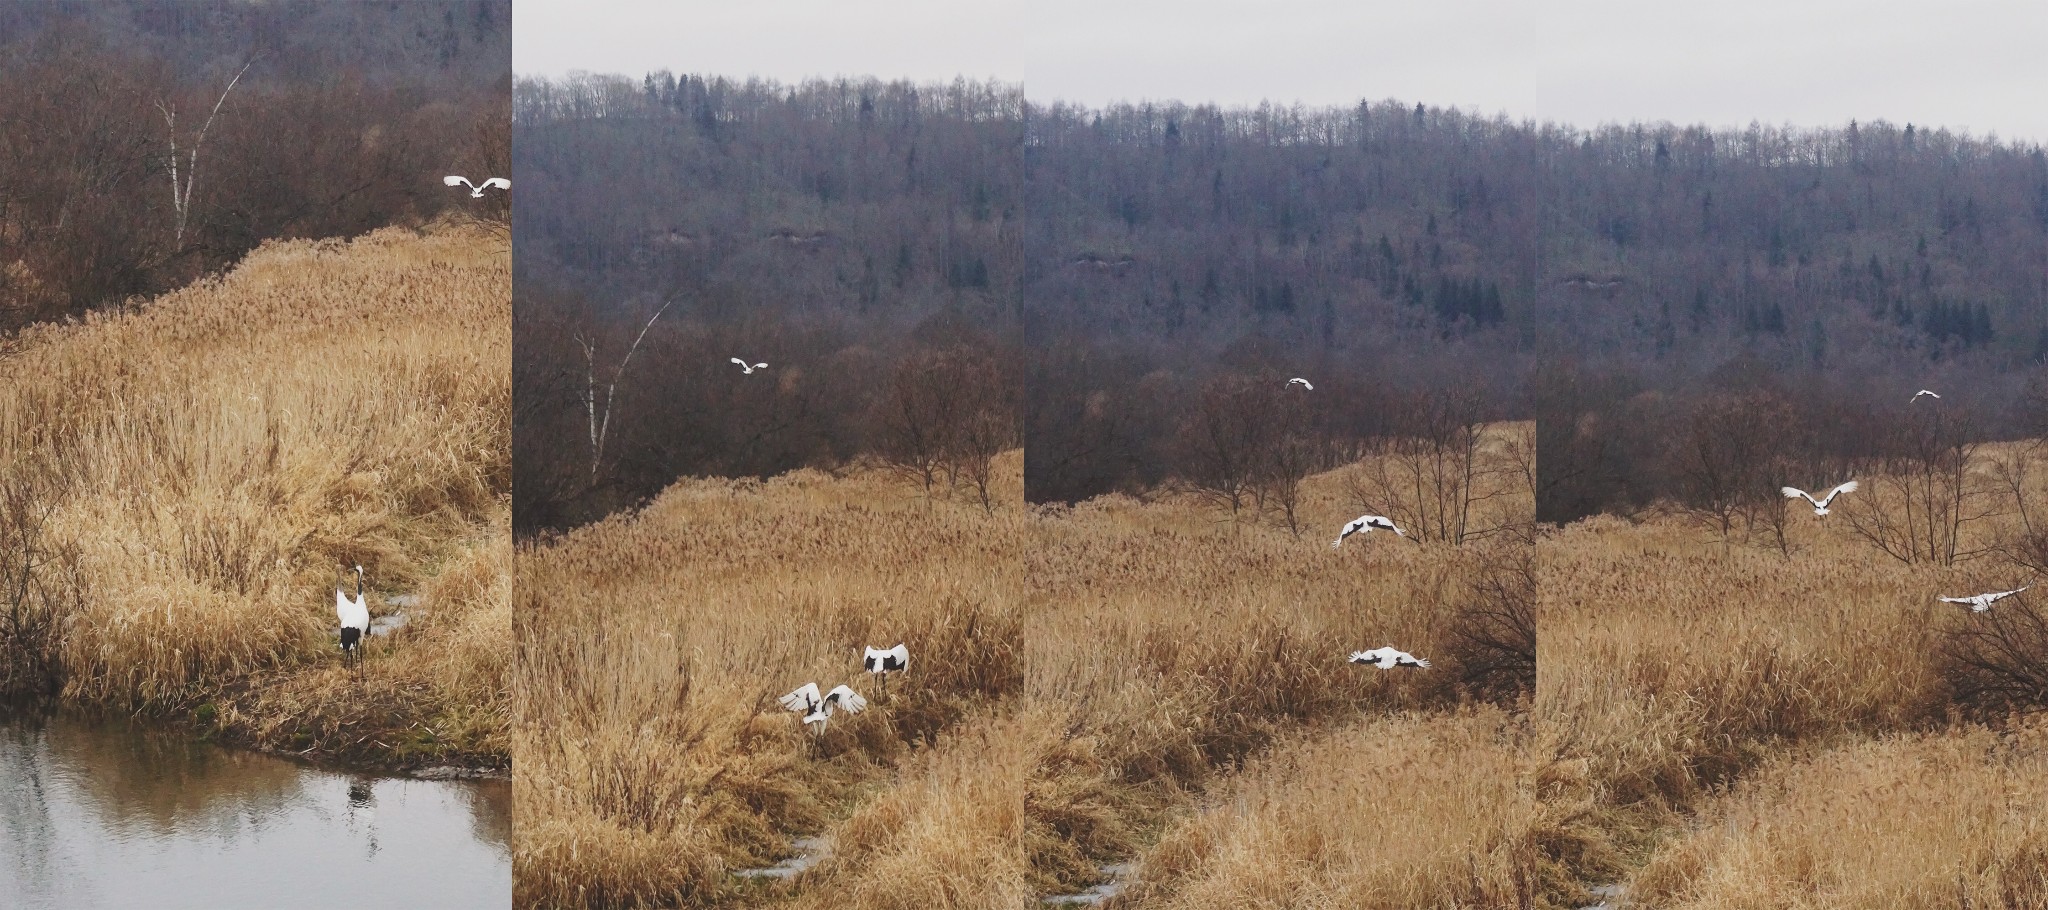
[
  {"x": 1117, "y": 872},
  {"x": 1609, "y": 895},
  {"x": 102, "y": 814},
  {"x": 809, "y": 850}
]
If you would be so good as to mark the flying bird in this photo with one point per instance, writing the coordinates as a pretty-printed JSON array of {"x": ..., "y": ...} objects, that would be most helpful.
[
  {"x": 1304, "y": 383},
  {"x": 1388, "y": 658},
  {"x": 1916, "y": 396},
  {"x": 1982, "y": 602},
  {"x": 477, "y": 192},
  {"x": 749, "y": 368},
  {"x": 818, "y": 709},
  {"x": 1820, "y": 506},
  {"x": 1364, "y": 524},
  {"x": 355, "y": 620}
]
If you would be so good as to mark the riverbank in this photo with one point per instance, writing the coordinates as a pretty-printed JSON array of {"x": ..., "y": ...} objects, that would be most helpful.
[
  {"x": 104, "y": 812},
  {"x": 189, "y": 477}
]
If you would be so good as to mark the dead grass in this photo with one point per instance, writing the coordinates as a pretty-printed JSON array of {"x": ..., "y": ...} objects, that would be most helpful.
[
  {"x": 1409, "y": 810},
  {"x": 1675, "y": 667},
  {"x": 1076, "y": 677},
  {"x": 217, "y": 455},
  {"x": 1907, "y": 822}
]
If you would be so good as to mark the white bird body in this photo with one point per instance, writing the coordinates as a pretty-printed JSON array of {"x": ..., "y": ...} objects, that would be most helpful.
[
  {"x": 1304, "y": 383},
  {"x": 477, "y": 192},
  {"x": 748, "y": 368},
  {"x": 1388, "y": 658},
  {"x": 1364, "y": 524},
  {"x": 354, "y": 616},
  {"x": 881, "y": 661},
  {"x": 817, "y": 709},
  {"x": 1923, "y": 392},
  {"x": 1820, "y": 506},
  {"x": 1982, "y": 602}
]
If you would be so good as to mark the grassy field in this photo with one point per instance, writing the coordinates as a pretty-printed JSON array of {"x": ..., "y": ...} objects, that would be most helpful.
[
  {"x": 194, "y": 472},
  {"x": 1763, "y": 728},
  {"x": 1087, "y": 686}
]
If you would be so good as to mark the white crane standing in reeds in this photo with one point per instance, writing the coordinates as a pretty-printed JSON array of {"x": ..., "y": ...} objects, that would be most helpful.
[
  {"x": 355, "y": 621},
  {"x": 883, "y": 662}
]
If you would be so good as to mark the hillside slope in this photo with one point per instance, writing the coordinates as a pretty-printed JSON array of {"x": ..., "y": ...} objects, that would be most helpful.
[{"x": 191, "y": 475}]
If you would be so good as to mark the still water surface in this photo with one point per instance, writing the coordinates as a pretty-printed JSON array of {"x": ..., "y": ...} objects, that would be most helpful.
[{"x": 103, "y": 814}]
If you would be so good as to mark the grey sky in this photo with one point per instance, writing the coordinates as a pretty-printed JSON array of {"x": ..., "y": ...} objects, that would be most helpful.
[{"x": 1965, "y": 64}]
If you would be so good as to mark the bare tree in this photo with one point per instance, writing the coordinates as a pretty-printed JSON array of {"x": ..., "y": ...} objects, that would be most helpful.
[
  {"x": 1725, "y": 458},
  {"x": 922, "y": 410},
  {"x": 600, "y": 425},
  {"x": 1222, "y": 443},
  {"x": 1299, "y": 447},
  {"x": 1928, "y": 498},
  {"x": 1438, "y": 476},
  {"x": 1997, "y": 663},
  {"x": 1493, "y": 638},
  {"x": 181, "y": 192}
]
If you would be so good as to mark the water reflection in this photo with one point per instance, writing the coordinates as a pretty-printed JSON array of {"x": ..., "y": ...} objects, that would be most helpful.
[{"x": 100, "y": 814}]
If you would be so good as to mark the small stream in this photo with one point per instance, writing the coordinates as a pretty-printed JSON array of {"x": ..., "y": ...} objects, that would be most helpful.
[
  {"x": 1118, "y": 873},
  {"x": 1609, "y": 895},
  {"x": 97, "y": 813},
  {"x": 809, "y": 850}
]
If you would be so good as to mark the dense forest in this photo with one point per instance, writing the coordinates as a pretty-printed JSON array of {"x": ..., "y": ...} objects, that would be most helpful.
[
  {"x": 860, "y": 238},
  {"x": 149, "y": 142},
  {"x": 1408, "y": 260}
]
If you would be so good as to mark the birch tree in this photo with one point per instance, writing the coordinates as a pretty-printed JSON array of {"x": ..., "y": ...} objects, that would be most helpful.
[
  {"x": 600, "y": 419},
  {"x": 183, "y": 184}
]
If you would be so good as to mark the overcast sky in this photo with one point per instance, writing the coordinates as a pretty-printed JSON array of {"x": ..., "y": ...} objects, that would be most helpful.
[{"x": 1977, "y": 65}]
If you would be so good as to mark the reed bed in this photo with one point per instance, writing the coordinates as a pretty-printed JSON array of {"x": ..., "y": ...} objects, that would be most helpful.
[
  {"x": 1407, "y": 810},
  {"x": 1676, "y": 666},
  {"x": 212, "y": 460},
  {"x": 1077, "y": 677},
  {"x": 1915, "y": 822}
]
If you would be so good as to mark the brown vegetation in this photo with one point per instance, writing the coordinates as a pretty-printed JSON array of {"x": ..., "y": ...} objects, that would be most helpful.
[
  {"x": 204, "y": 464},
  {"x": 151, "y": 142},
  {"x": 1676, "y": 667},
  {"x": 1078, "y": 675},
  {"x": 1909, "y": 822}
]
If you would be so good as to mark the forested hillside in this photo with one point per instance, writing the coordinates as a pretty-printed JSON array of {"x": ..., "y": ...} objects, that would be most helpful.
[
  {"x": 861, "y": 238},
  {"x": 149, "y": 142},
  {"x": 1396, "y": 252}
]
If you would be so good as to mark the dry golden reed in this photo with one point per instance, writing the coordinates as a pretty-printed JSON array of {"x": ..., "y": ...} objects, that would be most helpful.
[
  {"x": 217, "y": 455},
  {"x": 1898, "y": 823},
  {"x": 1077, "y": 676},
  {"x": 1409, "y": 810},
  {"x": 1674, "y": 666}
]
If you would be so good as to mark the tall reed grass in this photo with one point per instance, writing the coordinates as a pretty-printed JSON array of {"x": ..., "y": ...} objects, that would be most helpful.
[
  {"x": 1820, "y": 677},
  {"x": 215, "y": 457},
  {"x": 1077, "y": 677}
]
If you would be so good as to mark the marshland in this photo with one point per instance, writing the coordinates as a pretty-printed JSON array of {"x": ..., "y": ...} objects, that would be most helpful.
[
  {"x": 1088, "y": 687},
  {"x": 186, "y": 478},
  {"x": 1772, "y": 708}
]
